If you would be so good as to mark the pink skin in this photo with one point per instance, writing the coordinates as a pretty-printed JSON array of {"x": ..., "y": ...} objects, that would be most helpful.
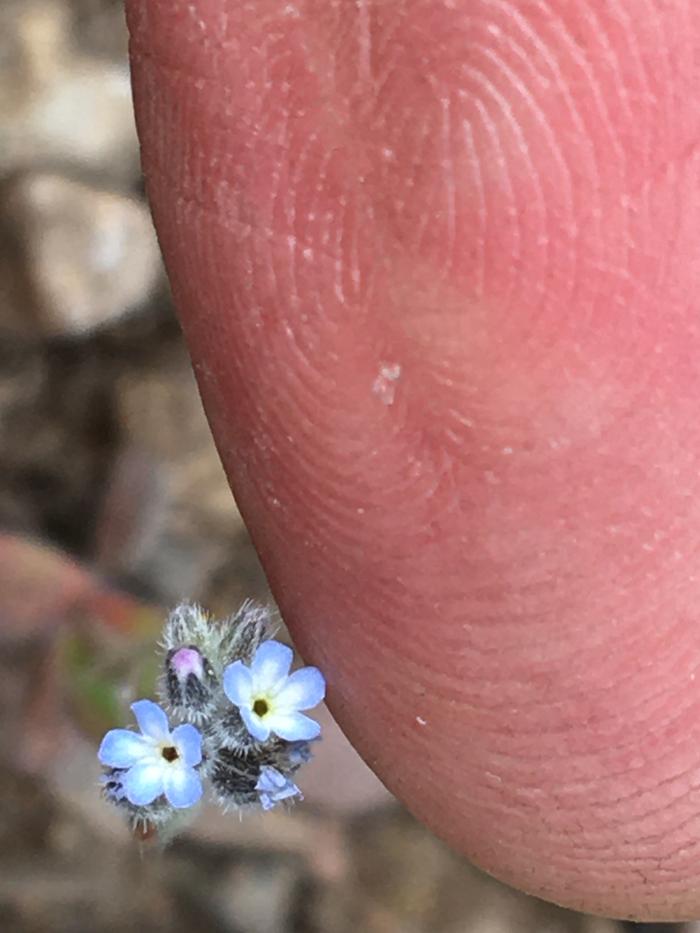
[{"x": 437, "y": 263}]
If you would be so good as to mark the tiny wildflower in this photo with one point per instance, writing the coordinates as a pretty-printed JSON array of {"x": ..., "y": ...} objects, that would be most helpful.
[
  {"x": 237, "y": 718},
  {"x": 273, "y": 787},
  {"x": 270, "y": 699},
  {"x": 157, "y": 762}
]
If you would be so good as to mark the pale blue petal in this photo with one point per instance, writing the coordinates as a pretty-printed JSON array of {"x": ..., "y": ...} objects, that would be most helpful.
[
  {"x": 254, "y": 724},
  {"x": 188, "y": 742},
  {"x": 183, "y": 787},
  {"x": 270, "y": 779},
  {"x": 151, "y": 719},
  {"x": 121, "y": 748},
  {"x": 289, "y": 790},
  {"x": 238, "y": 683},
  {"x": 293, "y": 726},
  {"x": 273, "y": 786},
  {"x": 143, "y": 783},
  {"x": 304, "y": 689},
  {"x": 271, "y": 665}
]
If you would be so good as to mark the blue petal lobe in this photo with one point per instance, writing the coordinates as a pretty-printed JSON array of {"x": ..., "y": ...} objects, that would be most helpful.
[
  {"x": 293, "y": 726},
  {"x": 270, "y": 779},
  {"x": 273, "y": 787},
  {"x": 304, "y": 689},
  {"x": 143, "y": 783},
  {"x": 151, "y": 719},
  {"x": 183, "y": 787},
  {"x": 238, "y": 683},
  {"x": 254, "y": 724},
  {"x": 121, "y": 748},
  {"x": 271, "y": 664},
  {"x": 188, "y": 742}
]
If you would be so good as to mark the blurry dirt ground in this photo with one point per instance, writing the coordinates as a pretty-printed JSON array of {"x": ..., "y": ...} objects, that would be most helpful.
[{"x": 113, "y": 505}]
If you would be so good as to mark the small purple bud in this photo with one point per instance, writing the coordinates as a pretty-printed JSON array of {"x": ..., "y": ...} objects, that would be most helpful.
[
  {"x": 189, "y": 683},
  {"x": 186, "y": 661}
]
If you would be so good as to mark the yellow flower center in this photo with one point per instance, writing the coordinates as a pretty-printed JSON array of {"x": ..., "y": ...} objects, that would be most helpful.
[{"x": 261, "y": 707}]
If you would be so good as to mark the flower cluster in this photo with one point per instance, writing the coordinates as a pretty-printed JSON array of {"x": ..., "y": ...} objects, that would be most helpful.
[{"x": 241, "y": 723}]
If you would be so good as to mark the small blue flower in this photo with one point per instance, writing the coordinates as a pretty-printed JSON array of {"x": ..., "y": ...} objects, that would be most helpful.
[
  {"x": 157, "y": 761},
  {"x": 273, "y": 786},
  {"x": 269, "y": 698}
]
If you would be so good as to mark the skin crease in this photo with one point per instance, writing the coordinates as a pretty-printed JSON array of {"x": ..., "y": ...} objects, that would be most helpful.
[{"x": 437, "y": 264}]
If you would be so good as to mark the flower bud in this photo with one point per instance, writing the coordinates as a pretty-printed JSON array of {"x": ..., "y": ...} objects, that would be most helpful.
[
  {"x": 244, "y": 632},
  {"x": 189, "y": 684},
  {"x": 234, "y": 778}
]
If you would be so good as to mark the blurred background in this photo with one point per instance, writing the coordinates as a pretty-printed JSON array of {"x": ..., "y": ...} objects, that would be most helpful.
[{"x": 113, "y": 506}]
